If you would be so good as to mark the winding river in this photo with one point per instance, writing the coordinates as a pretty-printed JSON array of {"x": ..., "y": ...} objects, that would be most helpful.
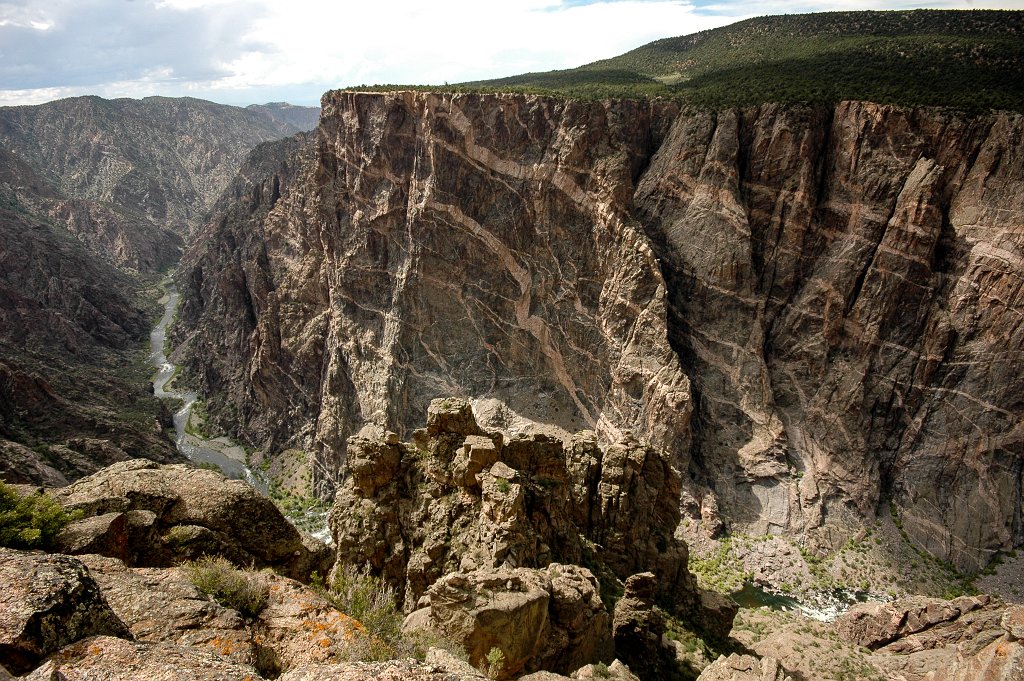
[{"x": 220, "y": 452}]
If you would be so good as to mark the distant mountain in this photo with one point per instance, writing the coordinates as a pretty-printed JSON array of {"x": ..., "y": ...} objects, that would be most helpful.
[
  {"x": 164, "y": 159},
  {"x": 290, "y": 118},
  {"x": 96, "y": 197},
  {"x": 966, "y": 59}
]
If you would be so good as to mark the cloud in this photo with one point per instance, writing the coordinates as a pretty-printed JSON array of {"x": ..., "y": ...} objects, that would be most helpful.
[
  {"x": 85, "y": 43},
  {"x": 241, "y": 52}
]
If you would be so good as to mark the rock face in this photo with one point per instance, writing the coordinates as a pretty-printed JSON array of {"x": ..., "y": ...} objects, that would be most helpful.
[
  {"x": 549, "y": 619},
  {"x": 837, "y": 283},
  {"x": 425, "y": 248},
  {"x": 744, "y": 668},
  {"x": 153, "y": 515},
  {"x": 47, "y": 602},
  {"x": 815, "y": 310},
  {"x": 458, "y": 546}
]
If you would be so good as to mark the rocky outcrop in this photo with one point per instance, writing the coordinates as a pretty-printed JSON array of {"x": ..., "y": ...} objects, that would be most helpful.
[
  {"x": 744, "y": 668},
  {"x": 152, "y": 515},
  {"x": 412, "y": 514},
  {"x": 550, "y": 619},
  {"x": 967, "y": 638},
  {"x": 833, "y": 280},
  {"x": 638, "y": 628},
  {"x": 47, "y": 602},
  {"x": 920, "y": 623}
]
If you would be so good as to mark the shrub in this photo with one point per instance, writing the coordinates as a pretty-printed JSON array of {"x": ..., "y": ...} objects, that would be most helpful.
[
  {"x": 31, "y": 522},
  {"x": 244, "y": 591},
  {"x": 495, "y": 662},
  {"x": 371, "y": 601}
]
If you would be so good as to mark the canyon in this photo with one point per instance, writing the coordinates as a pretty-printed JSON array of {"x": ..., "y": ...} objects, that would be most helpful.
[
  {"x": 611, "y": 372},
  {"x": 814, "y": 310}
]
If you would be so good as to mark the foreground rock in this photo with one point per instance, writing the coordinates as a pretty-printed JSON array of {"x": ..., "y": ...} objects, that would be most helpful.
[
  {"x": 437, "y": 517},
  {"x": 744, "y": 668},
  {"x": 152, "y": 515},
  {"x": 297, "y": 626},
  {"x": 549, "y": 619},
  {"x": 115, "y": 659},
  {"x": 47, "y": 602}
]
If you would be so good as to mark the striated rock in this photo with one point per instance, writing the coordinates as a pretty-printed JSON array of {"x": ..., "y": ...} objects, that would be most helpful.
[
  {"x": 194, "y": 512},
  {"x": 918, "y": 623},
  {"x": 829, "y": 274},
  {"x": 1001, "y": 660},
  {"x": 48, "y": 602},
  {"x": 115, "y": 659},
  {"x": 801, "y": 302},
  {"x": 374, "y": 309},
  {"x": 744, "y": 668}
]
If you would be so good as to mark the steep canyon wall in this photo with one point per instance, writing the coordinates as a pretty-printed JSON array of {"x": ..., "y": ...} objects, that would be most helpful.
[{"x": 815, "y": 311}]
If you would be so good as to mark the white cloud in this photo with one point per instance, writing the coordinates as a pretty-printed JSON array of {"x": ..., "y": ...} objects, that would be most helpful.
[{"x": 243, "y": 51}]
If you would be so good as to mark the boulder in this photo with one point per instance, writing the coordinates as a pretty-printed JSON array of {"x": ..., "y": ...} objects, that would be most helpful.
[
  {"x": 503, "y": 609},
  {"x": 115, "y": 659},
  {"x": 194, "y": 512},
  {"x": 744, "y": 668},
  {"x": 552, "y": 620},
  {"x": 48, "y": 602}
]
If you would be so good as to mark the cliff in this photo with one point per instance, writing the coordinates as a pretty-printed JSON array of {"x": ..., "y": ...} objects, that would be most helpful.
[{"x": 815, "y": 311}]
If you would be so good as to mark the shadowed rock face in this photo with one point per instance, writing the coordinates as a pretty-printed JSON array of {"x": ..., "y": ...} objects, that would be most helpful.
[{"x": 814, "y": 310}]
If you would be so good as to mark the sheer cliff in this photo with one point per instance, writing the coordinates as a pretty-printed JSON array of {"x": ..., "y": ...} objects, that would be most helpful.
[{"x": 816, "y": 311}]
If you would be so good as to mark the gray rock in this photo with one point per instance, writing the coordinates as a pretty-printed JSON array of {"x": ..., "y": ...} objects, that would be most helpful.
[{"x": 48, "y": 602}]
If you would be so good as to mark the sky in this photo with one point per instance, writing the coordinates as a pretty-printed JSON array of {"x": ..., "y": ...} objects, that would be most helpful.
[{"x": 254, "y": 51}]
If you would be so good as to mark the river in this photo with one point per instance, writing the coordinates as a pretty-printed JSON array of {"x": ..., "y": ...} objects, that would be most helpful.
[{"x": 220, "y": 452}]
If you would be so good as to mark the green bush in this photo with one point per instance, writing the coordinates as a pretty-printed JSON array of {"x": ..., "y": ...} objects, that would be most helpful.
[
  {"x": 242, "y": 590},
  {"x": 371, "y": 601},
  {"x": 31, "y": 522}
]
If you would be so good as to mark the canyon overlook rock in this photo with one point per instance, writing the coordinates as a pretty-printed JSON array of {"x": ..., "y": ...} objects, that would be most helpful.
[
  {"x": 814, "y": 310},
  {"x": 449, "y": 543}
]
